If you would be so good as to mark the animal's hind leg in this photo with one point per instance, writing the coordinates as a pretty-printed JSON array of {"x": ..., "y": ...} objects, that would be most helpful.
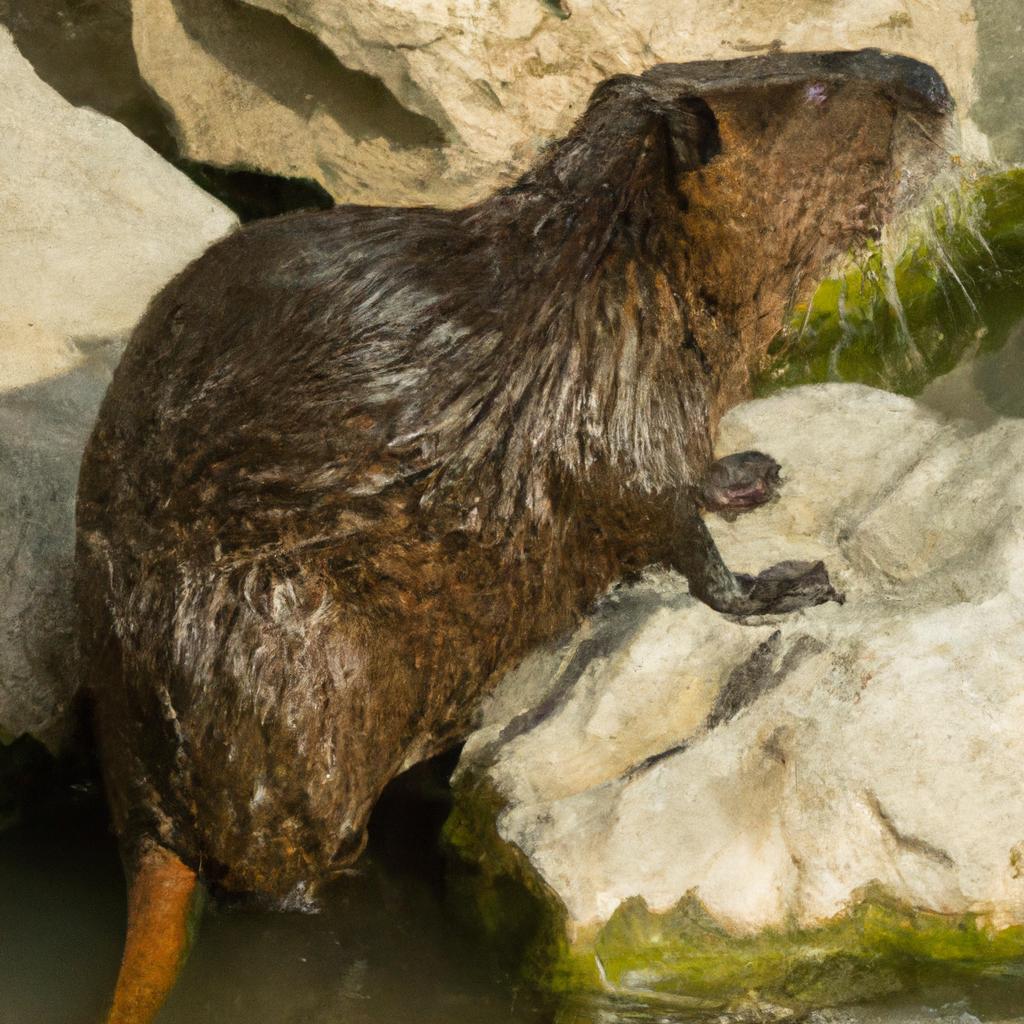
[{"x": 164, "y": 901}]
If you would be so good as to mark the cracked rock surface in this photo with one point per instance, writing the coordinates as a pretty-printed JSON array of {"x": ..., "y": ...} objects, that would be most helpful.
[{"x": 775, "y": 769}]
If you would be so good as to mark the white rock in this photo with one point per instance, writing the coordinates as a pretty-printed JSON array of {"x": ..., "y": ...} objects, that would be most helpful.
[
  {"x": 476, "y": 86},
  {"x": 93, "y": 223},
  {"x": 885, "y": 742}
]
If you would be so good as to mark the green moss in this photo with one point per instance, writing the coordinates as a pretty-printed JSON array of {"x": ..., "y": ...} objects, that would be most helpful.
[
  {"x": 898, "y": 321},
  {"x": 492, "y": 884},
  {"x": 684, "y": 957},
  {"x": 877, "y": 946}
]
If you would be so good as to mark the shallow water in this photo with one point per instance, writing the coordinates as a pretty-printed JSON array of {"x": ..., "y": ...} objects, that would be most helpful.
[
  {"x": 988, "y": 387},
  {"x": 385, "y": 947},
  {"x": 382, "y": 950}
]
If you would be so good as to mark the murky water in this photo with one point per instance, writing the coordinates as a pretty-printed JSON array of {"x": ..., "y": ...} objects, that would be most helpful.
[
  {"x": 386, "y": 948},
  {"x": 383, "y": 950},
  {"x": 983, "y": 389}
]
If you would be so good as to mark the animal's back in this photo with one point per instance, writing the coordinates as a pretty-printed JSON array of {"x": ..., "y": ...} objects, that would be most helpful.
[
  {"x": 272, "y": 352},
  {"x": 271, "y": 627}
]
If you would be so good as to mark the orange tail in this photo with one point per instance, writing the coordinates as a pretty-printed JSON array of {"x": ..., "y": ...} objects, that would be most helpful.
[{"x": 164, "y": 901}]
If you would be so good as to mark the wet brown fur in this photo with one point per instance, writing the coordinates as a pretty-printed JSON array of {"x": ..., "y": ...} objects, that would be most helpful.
[{"x": 355, "y": 464}]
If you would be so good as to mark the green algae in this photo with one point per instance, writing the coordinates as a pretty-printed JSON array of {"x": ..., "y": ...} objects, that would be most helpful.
[
  {"x": 877, "y": 946},
  {"x": 684, "y": 958},
  {"x": 492, "y": 884},
  {"x": 904, "y": 312}
]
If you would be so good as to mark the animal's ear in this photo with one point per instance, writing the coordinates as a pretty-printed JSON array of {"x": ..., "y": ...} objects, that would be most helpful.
[
  {"x": 692, "y": 130},
  {"x": 624, "y": 114},
  {"x": 624, "y": 103},
  {"x": 627, "y": 102}
]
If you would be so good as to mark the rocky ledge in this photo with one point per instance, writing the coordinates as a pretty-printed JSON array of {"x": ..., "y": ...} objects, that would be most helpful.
[{"x": 801, "y": 810}]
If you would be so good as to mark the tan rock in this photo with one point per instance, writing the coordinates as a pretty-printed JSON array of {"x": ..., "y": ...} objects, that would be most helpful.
[
  {"x": 423, "y": 101},
  {"x": 775, "y": 769}
]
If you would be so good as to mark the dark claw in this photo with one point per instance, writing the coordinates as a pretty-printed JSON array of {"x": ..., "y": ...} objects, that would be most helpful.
[
  {"x": 786, "y": 587},
  {"x": 740, "y": 482}
]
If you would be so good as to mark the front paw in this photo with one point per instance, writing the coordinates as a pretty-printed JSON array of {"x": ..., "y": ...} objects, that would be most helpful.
[
  {"x": 739, "y": 483},
  {"x": 788, "y": 586}
]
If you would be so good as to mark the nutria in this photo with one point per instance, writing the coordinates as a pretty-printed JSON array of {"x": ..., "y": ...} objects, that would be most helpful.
[{"x": 355, "y": 464}]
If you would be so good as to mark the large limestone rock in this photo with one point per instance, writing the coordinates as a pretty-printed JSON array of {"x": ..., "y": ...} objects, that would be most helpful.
[
  {"x": 801, "y": 806},
  {"x": 413, "y": 101},
  {"x": 93, "y": 223}
]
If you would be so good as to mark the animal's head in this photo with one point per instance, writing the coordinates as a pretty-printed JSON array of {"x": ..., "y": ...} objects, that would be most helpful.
[{"x": 773, "y": 164}]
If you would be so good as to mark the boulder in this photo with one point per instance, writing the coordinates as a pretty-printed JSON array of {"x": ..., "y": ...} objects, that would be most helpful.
[
  {"x": 807, "y": 807},
  {"x": 423, "y": 102},
  {"x": 94, "y": 222}
]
